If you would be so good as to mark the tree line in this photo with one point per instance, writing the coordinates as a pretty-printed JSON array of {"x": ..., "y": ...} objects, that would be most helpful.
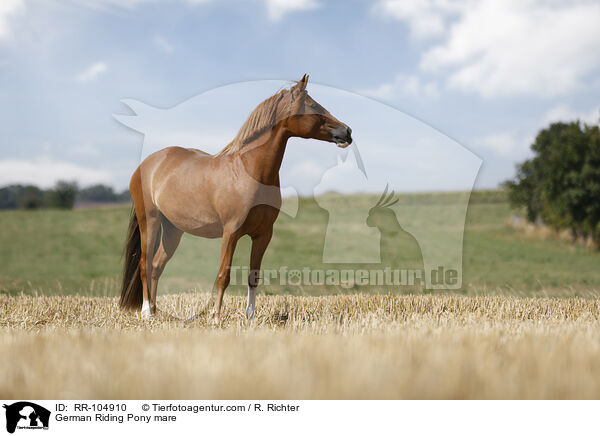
[
  {"x": 63, "y": 195},
  {"x": 560, "y": 185}
]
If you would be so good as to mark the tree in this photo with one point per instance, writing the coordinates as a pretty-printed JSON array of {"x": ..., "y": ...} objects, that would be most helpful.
[
  {"x": 124, "y": 197},
  {"x": 9, "y": 197},
  {"x": 22, "y": 197},
  {"x": 103, "y": 194},
  {"x": 97, "y": 194},
  {"x": 62, "y": 196},
  {"x": 561, "y": 183},
  {"x": 29, "y": 197}
]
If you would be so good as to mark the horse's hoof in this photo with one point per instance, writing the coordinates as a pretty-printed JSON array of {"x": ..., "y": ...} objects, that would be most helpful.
[
  {"x": 146, "y": 313},
  {"x": 146, "y": 310},
  {"x": 214, "y": 320}
]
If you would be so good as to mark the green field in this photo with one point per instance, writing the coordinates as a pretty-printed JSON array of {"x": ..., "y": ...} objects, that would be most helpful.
[{"x": 80, "y": 252}]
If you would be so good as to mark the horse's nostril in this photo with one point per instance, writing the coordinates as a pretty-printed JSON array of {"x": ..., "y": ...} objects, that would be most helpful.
[{"x": 348, "y": 131}]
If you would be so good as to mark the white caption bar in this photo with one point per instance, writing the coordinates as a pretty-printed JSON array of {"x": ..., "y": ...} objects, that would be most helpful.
[{"x": 249, "y": 417}]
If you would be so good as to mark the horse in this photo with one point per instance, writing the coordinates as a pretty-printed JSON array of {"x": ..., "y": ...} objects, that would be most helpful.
[{"x": 228, "y": 195}]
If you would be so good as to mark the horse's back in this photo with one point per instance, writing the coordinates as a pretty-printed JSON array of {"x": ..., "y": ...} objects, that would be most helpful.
[
  {"x": 174, "y": 182},
  {"x": 161, "y": 164},
  {"x": 201, "y": 194},
  {"x": 178, "y": 153}
]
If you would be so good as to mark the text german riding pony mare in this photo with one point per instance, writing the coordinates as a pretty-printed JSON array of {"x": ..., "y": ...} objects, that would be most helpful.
[{"x": 228, "y": 195}]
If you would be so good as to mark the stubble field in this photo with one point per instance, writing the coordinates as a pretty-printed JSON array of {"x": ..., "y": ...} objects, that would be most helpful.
[{"x": 358, "y": 346}]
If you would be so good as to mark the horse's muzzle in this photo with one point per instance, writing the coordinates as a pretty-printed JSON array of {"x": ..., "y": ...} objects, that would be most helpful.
[{"x": 342, "y": 136}]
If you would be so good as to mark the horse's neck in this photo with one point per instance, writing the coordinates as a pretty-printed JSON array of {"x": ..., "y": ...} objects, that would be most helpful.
[{"x": 262, "y": 159}]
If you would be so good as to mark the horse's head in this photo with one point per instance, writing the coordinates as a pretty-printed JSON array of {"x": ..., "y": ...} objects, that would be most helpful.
[{"x": 308, "y": 119}]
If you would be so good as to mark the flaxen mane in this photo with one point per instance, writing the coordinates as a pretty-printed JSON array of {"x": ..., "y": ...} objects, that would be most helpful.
[{"x": 262, "y": 118}]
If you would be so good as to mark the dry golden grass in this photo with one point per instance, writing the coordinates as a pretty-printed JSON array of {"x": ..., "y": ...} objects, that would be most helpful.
[{"x": 353, "y": 346}]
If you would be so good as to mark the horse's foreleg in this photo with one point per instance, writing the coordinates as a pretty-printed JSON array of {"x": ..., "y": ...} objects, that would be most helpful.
[
  {"x": 259, "y": 246},
  {"x": 227, "y": 249},
  {"x": 168, "y": 244}
]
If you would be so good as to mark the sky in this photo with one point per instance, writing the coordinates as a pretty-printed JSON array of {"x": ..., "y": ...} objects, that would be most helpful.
[{"x": 484, "y": 76}]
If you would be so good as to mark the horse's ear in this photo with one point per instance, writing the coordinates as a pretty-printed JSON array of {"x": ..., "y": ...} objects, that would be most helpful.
[
  {"x": 301, "y": 85},
  {"x": 304, "y": 81}
]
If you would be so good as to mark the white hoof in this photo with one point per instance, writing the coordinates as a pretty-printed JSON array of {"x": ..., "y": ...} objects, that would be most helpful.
[
  {"x": 250, "y": 313},
  {"x": 146, "y": 311},
  {"x": 214, "y": 320},
  {"x": 251, "y": 303}
]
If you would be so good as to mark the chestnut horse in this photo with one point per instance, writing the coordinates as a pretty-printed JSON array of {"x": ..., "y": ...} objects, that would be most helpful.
[{"x": 228, "y": 195}]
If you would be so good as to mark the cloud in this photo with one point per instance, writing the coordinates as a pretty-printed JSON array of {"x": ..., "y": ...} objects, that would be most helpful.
[
  {"x": 565, "y": 113},
  {"x": 162, "y": 43},
  {"x": 7, "y": 9},
  {"x": 92, "y": 72},
  {"x": 106, "y": 5},
  {"x": 402, "y": 86},
  {"x": 426, "y": 19},
  {"x": 518, "y": 143},
  {"x": 276, "y": 9},
  {"x": 544, "y": 48},
  {"x": 46, "y": 172},
  {"x": 504, "y": 143}
]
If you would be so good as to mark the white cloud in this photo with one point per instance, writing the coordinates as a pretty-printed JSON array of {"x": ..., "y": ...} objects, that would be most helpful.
[
  {"x": 305, "y": 171},
  {"x": 276, "y": 9},
  {"x": 130, "y": 4},
  {"x": 504, "y": 143},
  {"x": 517, "y": 144},
  {"x": 162, "y": 43},
  {"x": 425, "y": 19},
  {"x": 403, "y": 86},
  {"x": 7, "y": 9},
  {"x": 511, "y": 47},
  {"x": 92, "y": 72},
  {"x": 565, "y": 113},
  {"x": 111, "y": 4},
  {"x": 46, "y": 172}
]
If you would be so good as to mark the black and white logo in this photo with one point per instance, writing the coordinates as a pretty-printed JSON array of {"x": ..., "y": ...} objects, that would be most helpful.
[{"x": 26, "y": 415}]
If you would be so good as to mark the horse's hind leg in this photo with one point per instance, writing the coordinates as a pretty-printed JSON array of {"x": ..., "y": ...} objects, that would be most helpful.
[
  {"x": 149, "y": 239},
  {"x": 168, "y": 244},
  {"x": 148, "y": 218}
]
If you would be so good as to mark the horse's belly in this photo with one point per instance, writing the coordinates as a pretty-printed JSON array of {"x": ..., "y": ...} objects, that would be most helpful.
[
  {"x": 196, "y": 224},
  {"x": 192, "y": 216},
  {"x": 213, "y": 230}
]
